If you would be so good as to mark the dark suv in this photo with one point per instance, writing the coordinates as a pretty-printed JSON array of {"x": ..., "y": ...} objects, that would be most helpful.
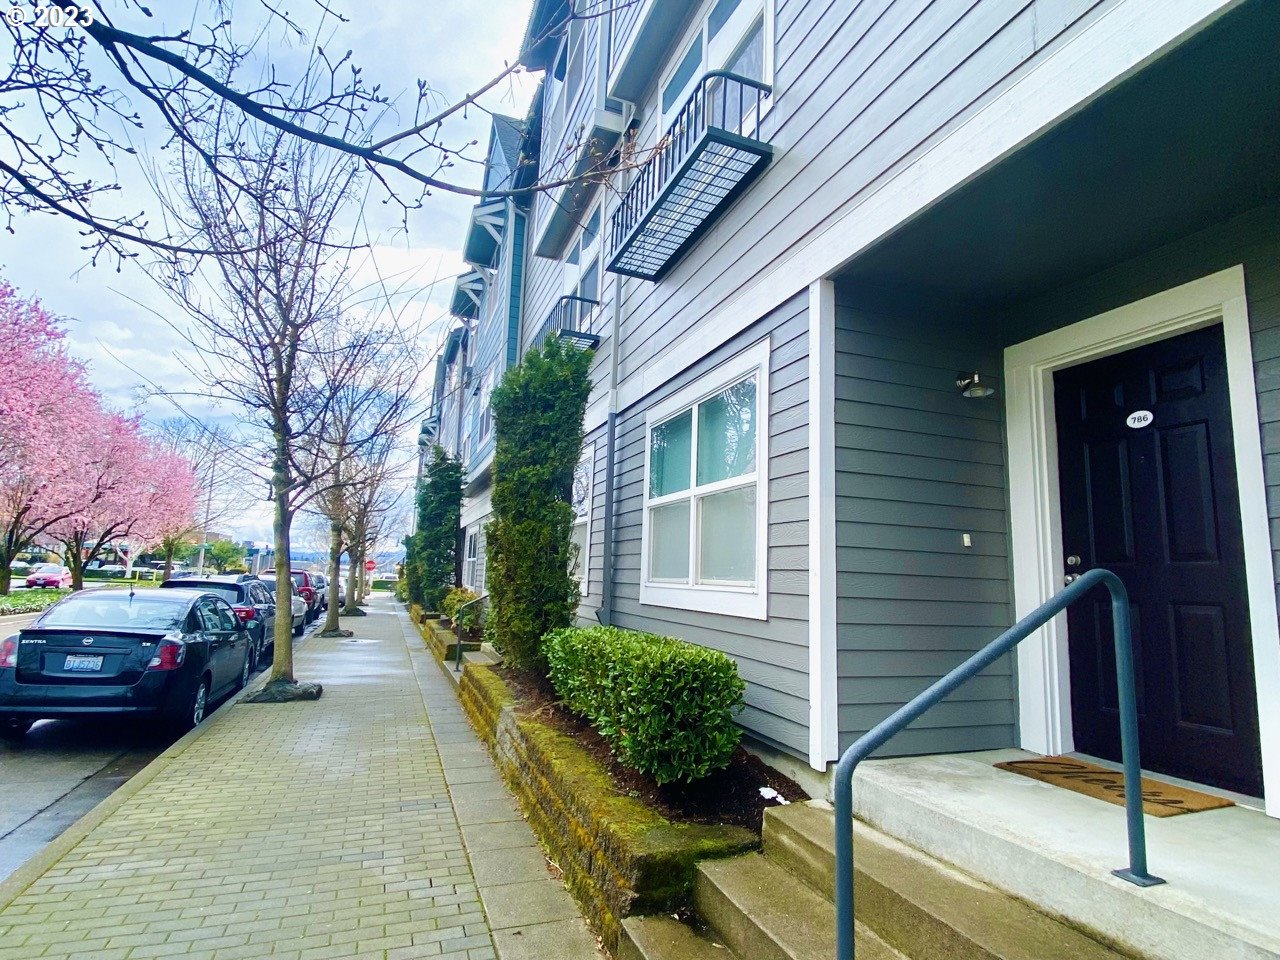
[{"x": 253, "y": 604}]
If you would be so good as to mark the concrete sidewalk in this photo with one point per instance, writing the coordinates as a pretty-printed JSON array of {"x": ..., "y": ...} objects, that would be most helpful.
[{"x": 368, "y": 824}]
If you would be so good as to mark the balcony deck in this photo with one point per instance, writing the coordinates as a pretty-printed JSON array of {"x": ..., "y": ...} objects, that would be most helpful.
[{"x": 710, "y": 154}]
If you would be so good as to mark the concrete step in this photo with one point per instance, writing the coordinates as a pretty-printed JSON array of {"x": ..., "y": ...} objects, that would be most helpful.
[
  {"x": 482, "y": 657},
  {"x": 664, "y": 938},
  {"x": 920, "y": 905},
  {"x": 1055, "y": 849},
  {"x": 762, "y": 912}
]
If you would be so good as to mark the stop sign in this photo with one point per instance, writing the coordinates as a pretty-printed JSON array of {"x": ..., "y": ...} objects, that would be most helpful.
[{"x": 371, "y": 565}]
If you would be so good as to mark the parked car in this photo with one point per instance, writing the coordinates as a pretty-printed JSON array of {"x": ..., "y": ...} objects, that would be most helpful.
[
  {"x": 298, "y": 607},
  {"x": 164, "y": 654},
  {"x": 253, "y": 605},
  {"x": 305, "y": 587},
  {"x": 49, "y": 575},
  {"x": 322, "y": 589}
]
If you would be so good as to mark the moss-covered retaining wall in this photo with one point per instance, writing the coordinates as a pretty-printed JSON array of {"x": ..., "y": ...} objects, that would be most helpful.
[
  {"x": 618, "y": 856},
  {"x": 440, "y": 640}
]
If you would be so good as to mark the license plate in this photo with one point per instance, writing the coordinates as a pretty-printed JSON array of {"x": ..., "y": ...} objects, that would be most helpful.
[{"x": 80, "y": 663}]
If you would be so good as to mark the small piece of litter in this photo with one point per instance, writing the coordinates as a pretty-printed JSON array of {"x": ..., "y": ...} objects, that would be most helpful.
[{"x": 771, "y": 794}]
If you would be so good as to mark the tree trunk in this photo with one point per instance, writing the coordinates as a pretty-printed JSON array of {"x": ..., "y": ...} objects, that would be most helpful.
[
  {"x": 351, "y": 606},
  {"x": 75, "y": 560},
  {"x": 6, "y": 578},
  {"x": 282, "y": 662},
  {"x": 335, "y": 556},
  {"x": 362, "y": 577},
  {"x": 169, "y": 551}
]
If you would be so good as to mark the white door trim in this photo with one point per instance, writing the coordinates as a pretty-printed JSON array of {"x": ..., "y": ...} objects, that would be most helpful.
[{"x": 1044, "y": 699}]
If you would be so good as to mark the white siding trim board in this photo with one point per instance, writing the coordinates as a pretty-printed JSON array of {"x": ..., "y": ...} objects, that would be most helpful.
[{"x": 824, "y": 721}]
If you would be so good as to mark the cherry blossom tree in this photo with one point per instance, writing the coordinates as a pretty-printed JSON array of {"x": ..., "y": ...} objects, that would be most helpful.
[
  {"x": 129, "y": 491},
  {"x": 44, "y": 401}
]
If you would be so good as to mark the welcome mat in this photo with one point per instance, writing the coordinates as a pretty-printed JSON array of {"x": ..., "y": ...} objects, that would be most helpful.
[{"x": 1158, "y": 799}]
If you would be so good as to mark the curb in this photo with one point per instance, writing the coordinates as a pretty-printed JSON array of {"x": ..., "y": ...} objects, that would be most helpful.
[{"x": 17, "y": 882}]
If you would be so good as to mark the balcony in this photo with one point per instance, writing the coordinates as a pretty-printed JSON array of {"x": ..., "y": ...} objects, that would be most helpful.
[
  {"x": 570, "y": 320},
  {"x": 710, "y": 154}
]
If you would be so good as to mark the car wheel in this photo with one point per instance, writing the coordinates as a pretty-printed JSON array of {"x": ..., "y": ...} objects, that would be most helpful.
[
  {"x": 299, "y": 626},
  {"x": 246, "y": 670},
  {"x": 193, "y": 714},
  {"x": 13, "y": 728}
]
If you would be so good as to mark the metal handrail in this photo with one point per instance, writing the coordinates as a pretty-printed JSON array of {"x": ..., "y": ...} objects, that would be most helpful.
[
  {"x": 871, "y": 741},
  {"x": 695, "y": 117},
  {"x": 457, "y": 662},
  {"x": 565, "y": 315}
]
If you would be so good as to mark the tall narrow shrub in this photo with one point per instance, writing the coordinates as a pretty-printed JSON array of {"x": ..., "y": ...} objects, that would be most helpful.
[
  {"x": 538, "y": 411},
  {"x": 432, "y": 553}
]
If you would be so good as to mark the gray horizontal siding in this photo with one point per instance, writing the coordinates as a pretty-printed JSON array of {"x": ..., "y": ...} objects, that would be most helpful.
[
  {"x": 918, "y": 466},
  {"x": 861, "y": 88},
  {"x": 1252, "y": 240},
  {"x": 772, "y": 655}
]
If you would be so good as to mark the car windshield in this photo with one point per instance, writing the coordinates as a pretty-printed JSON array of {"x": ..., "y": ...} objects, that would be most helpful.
[
  {"x": 47, "y": 568},
  {"x": 110, "y": 609}
]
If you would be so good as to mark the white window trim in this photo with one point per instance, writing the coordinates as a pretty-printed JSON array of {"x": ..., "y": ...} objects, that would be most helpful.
[
  {"x": 584, "y": 560},
  {"x": 750, "y": 602},
  {"x": 715, "y": 53}
]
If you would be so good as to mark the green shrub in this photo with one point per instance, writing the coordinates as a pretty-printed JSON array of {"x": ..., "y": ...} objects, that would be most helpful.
[
  {"x": 431, "y": 554},
  {"x": 538, "y": 410},
  {"x": 401, "y": 590},
  {"x": 665, "y": 706},
  {"x": 453, "y": 601}
]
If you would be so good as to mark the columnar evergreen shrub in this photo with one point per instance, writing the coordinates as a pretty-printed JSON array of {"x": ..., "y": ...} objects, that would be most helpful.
[
  {"x": 538, "y": 411},
  {"x": 665, "y": 706},
  {"x": 431, "y": 554}
]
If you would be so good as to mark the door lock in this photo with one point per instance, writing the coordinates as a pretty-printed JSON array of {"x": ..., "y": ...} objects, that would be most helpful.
[
  {"x": 1073, "y": 561},
  {"x": 1070, "y": 578}
]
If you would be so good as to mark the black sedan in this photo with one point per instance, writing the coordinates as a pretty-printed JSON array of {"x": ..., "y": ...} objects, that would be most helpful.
[{"x": 164, "y": 654}]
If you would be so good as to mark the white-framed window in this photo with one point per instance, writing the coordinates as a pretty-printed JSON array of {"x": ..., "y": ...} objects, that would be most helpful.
[
  {"x": 582, "y": 270},
  {"x": 485, "y": 410},
  {"x": 583, "y": 482},
  {"x": 469, "y": 573},
  {"x": 732, "y": 35},
  {"x": 706, "y": 498}
]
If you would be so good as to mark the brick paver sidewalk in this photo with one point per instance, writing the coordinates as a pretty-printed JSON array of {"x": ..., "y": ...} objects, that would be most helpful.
[{"x": 368, "y": 824}]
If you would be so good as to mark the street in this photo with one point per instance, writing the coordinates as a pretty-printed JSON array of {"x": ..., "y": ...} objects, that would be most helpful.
[{"x": 61, "y": 770}]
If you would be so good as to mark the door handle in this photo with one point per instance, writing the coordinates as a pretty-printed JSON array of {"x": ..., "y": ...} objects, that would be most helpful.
[{"x": 1070, "y": 578}]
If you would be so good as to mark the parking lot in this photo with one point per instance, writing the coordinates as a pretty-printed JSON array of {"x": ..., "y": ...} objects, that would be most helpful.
[{"x": 61, "y": 770}]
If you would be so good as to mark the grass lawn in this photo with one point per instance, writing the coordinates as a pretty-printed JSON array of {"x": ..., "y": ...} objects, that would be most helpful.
[{"x": 30, "y": 601}]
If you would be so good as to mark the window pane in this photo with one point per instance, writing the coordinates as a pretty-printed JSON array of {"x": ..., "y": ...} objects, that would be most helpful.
[
  {"x": 727, "y": 536},
  {"x": 591, "y": 228},
  {"x": 669, "y": 455},
  {"x": 589, "y": 286},
  {"x": 720, "y": 15},
  {"x": 727, "y": 433},
  {"x": 748, "y": 61},
  {"x": 579, "y": 553},
  {"x": 669, "y": 542},
  {"x": 673, "y": 92}
]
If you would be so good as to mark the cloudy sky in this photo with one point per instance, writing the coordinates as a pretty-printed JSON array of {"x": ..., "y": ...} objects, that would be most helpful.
[{"x": 114, "y": 313}]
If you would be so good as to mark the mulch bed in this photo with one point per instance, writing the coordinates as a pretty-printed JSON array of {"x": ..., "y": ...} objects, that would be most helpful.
[{"x": 728, "y": 796}]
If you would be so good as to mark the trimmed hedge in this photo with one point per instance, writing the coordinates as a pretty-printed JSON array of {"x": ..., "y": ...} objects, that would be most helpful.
[{"x": 665, "y": 706}]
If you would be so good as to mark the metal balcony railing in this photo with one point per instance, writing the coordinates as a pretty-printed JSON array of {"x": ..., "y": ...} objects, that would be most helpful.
[
  {"x": 570, "y": 319},
  {"x": 710, "y": 153},
  {"x": 871, "y": 741}
]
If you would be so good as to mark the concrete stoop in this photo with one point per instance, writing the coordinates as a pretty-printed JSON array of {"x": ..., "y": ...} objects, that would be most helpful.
[{"x": 777, "y": 905}]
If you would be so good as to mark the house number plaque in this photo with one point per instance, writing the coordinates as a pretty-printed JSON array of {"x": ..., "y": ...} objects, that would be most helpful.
[{"x": 1140, "y": 418}]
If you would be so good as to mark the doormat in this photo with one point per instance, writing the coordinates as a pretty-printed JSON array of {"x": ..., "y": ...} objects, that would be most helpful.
[{"x": 1158, "y": 799}]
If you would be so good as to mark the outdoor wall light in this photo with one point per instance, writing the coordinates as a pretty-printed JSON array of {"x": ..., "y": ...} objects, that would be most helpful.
[{"x": 973, "y": 387}]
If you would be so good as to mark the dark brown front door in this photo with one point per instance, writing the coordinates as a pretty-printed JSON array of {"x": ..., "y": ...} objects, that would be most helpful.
[{"x": 1148, "y": 482}]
